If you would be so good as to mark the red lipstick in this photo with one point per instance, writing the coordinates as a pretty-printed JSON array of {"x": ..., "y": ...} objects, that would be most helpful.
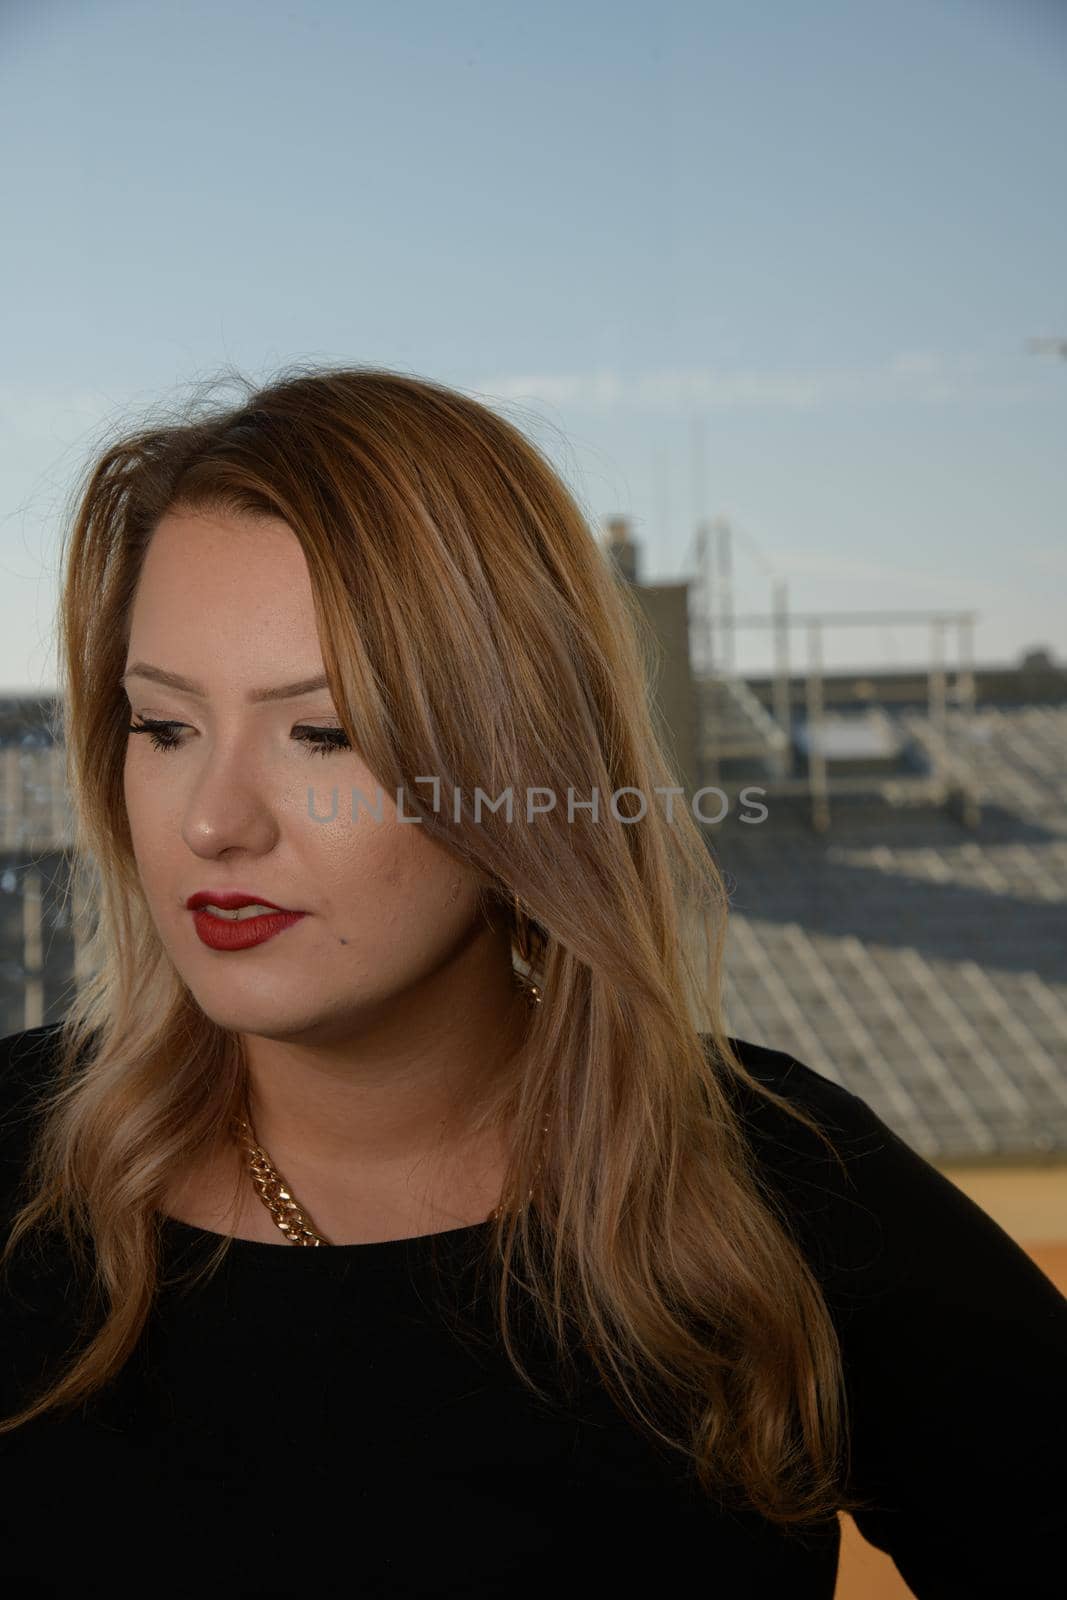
[{"x": 222, "y": 933}]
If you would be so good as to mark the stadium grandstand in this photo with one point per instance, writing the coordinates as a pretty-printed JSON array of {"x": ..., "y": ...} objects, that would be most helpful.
[{"x": 899, "y": 914}]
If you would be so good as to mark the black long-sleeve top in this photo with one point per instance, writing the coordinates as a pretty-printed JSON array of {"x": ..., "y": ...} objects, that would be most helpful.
[{"x": 307, "y": 1423}]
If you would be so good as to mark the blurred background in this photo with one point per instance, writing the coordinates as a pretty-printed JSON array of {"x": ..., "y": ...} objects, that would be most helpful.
[{"x": 781, "y": 291}]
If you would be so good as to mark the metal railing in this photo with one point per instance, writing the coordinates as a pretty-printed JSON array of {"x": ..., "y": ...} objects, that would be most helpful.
[{"x": 951, "y": 779}]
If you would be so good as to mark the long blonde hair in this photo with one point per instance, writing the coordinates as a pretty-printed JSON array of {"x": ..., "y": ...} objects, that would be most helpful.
[{"x": 471, "y": 627}]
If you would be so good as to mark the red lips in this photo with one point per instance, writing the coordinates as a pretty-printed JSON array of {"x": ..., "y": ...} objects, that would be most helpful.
[
  {"x": 231, "y": 933},
  {"x": 228, "y": 900}
]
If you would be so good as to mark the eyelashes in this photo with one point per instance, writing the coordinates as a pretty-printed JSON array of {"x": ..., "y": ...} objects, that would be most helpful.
[{"x": 317, "y": 741}]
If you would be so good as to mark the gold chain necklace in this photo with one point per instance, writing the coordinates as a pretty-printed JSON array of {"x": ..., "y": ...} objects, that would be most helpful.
[{"x": 288, "y": 1213}]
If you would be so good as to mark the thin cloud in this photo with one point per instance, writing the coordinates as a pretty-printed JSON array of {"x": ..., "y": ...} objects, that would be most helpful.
[
  {"x": 912, "y": 377},
  {"x": 1047, "y": 558},
  {"x": 826, "y": 564}
]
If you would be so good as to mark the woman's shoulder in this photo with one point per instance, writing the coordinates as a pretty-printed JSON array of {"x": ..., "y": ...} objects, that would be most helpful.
[
  {"x": 28, "y": 1043},
  {"x": 27, "y": 1061},
  {"x": 798, "y": 1082},
  {"x": 788, "y": 1149},
  {"x": 855, "y": 1152},
  {"x": 27, "y": 1058},
  {"x": 895, "y": 1218},
  {"x": 954, "y": 1341}
]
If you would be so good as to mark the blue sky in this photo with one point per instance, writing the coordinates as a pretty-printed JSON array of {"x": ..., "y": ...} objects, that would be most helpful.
[{"x": 816, "y": 236}]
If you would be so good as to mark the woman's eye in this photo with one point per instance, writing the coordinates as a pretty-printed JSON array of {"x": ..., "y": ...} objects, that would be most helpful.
[
  {"x": 161, "y": 734},
  {"x": 322, "y": 741},
  {"x": 316, "y": 741}
]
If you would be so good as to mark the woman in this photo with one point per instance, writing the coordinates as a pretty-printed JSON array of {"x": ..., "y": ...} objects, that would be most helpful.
[{"x": 594, "y": 1291}]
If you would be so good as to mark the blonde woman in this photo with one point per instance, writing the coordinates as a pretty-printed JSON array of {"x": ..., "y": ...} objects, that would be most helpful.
[{"x": 391, "y": 1212}]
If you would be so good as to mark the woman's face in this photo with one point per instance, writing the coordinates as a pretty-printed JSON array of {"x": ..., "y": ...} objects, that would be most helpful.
[{"x": 226, "y": 604}]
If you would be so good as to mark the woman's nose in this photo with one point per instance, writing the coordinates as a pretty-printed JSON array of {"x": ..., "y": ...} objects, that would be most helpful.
[{"x": 230, "y": 804}]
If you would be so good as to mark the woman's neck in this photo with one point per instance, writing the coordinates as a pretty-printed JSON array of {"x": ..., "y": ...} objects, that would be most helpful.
[{"x": 373, "y": 1126}]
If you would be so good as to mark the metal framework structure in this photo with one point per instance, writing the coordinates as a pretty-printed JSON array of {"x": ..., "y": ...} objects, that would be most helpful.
[{"x": 735, "y": 725}]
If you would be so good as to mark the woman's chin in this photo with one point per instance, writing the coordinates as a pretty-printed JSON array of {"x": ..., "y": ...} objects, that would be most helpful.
[{"x": 271, "y": 1014}]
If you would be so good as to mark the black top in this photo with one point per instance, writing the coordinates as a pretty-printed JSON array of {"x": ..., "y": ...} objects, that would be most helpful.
[{"x": 308, "y": 1423}]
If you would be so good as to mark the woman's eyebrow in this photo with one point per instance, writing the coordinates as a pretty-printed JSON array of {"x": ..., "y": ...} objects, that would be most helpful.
[{"x": 174, "y": 680}]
